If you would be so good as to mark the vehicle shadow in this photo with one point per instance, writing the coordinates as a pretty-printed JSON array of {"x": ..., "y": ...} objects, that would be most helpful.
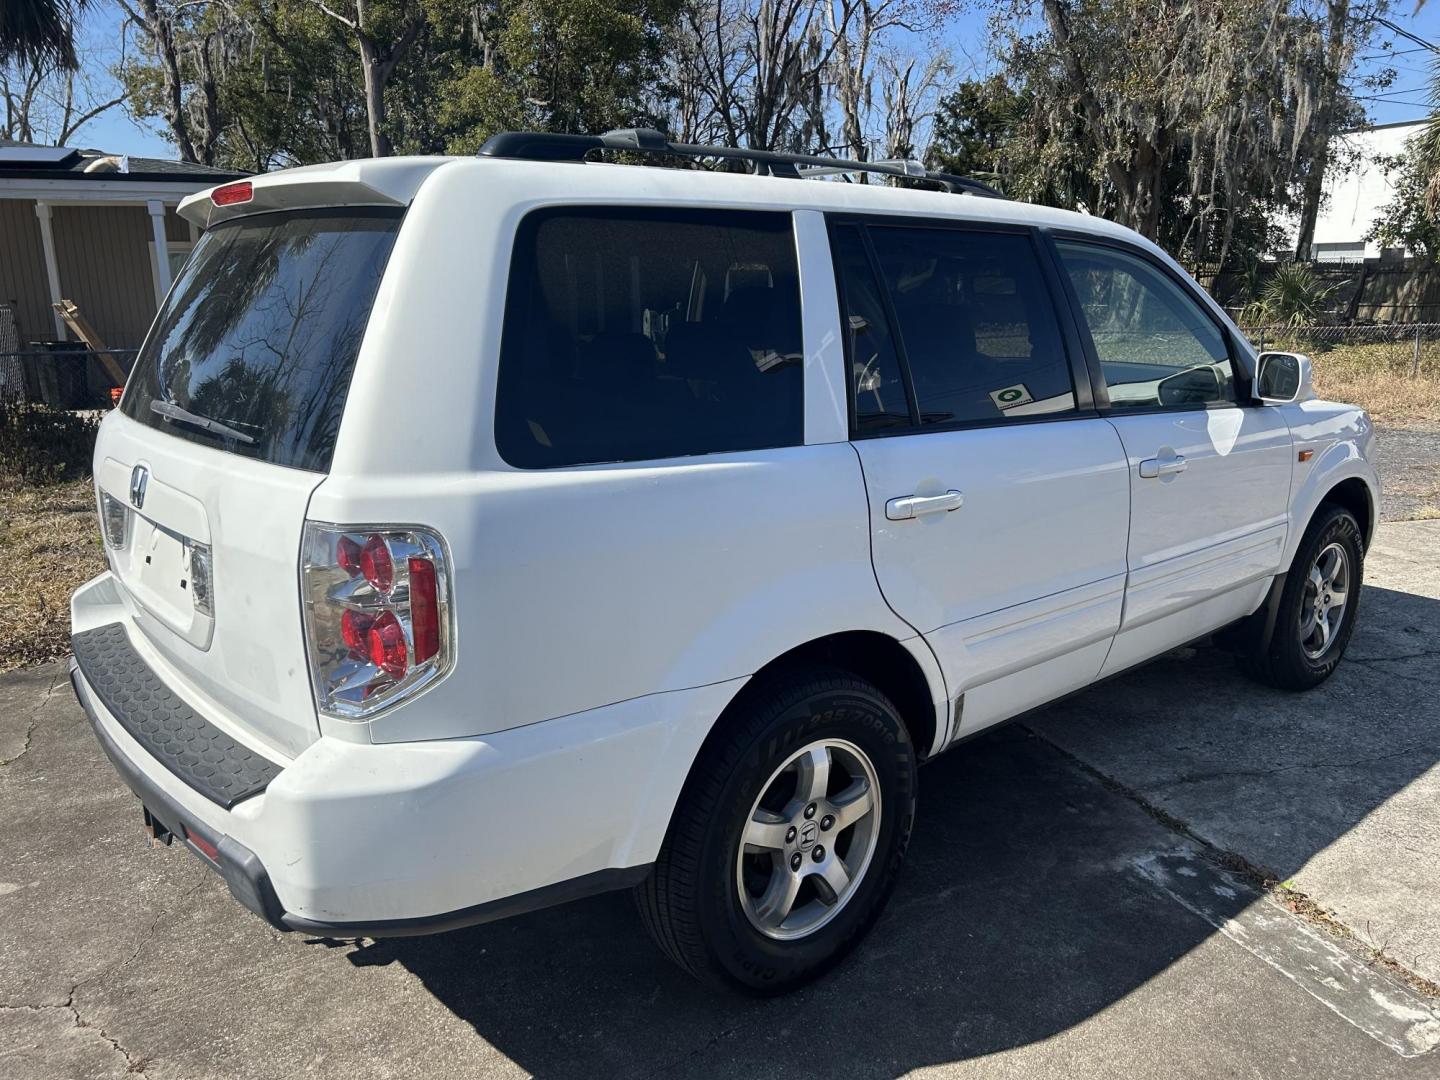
[{"x": 1020, "y": 913}]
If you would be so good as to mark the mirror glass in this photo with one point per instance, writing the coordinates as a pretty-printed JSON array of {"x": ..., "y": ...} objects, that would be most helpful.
[{"x": 1279, "y": 376}]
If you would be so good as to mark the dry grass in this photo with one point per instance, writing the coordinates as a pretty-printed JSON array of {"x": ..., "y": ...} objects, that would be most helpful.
[
  {"x": 1377, "y": 378},
  {"x": 49, "y": 545}
]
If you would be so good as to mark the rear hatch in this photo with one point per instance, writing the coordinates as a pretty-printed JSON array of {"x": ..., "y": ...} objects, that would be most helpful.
[{"x": 226, "y": 427}]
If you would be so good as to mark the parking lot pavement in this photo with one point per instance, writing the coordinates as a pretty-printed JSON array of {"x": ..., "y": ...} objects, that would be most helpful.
[
  {"x": 1335, "y": 790},
  {"x": 1050, "y": 921}
]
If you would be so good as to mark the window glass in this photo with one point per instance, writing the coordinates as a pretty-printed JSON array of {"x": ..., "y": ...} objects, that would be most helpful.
[
  {"x": 255, "y": 346},
  {"x": 1155, "y": 344},
  {"x": 878, "y": 390},
  {"x": 976, "y": 324},
  {"x": 632, "y": 335}
]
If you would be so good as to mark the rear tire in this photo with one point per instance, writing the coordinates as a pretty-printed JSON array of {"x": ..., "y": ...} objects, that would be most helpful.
[
  {"x": 1317, "y": 606},
  {"x": 788, "y": 836}
]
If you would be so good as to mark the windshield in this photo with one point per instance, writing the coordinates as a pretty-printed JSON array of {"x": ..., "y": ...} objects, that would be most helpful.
[{"x": 255, "y": 346}]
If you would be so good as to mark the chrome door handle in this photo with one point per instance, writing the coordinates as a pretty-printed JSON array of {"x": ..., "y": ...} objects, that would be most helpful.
[
  {"x": 1150, "y": 468},
  {"x": 912, "y": 506}
]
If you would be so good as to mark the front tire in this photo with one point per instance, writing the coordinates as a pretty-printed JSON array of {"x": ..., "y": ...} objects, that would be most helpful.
[
  {"x": 1318, "y": 605},
  {"x": 788, "y": 836}
]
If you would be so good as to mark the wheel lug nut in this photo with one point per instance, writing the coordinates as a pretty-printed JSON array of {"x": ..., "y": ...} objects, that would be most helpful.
[
  {"x": 810, "y": 811},
  {"x": 817, "y": 853},
  {"x": 790, "y": 835},
  {"x": 795, "y": 861},
  {"x": 827, "y": 822}
]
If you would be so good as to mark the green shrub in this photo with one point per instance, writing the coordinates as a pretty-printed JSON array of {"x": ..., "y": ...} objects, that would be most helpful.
[
  {"x": 1294, "y": 296},
  {"x": 40, "y": 445}
]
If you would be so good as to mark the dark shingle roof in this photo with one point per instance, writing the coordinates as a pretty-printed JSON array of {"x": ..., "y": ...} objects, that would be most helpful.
[{"x": 14, "y": 165}]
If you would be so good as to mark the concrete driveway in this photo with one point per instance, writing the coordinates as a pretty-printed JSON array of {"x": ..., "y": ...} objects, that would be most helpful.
[{"x": 1081, "y": 899}]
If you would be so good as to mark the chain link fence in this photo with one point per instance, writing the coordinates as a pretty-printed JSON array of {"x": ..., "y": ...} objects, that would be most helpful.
[
  {"x": 1411, "y": 349},
  {"x": 61, "y": 376}
]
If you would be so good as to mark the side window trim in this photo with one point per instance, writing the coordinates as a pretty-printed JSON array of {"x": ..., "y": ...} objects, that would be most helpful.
[
  {"x": 1238, "y": 374},
  {"x": 897, "y": 332},
  {"x": 1072, "y": 341}
]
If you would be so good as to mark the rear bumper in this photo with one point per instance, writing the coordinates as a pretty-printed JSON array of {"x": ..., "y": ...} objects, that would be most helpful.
[
  {"x": 249, "y": 882},
  {"x": 352, "y": 839},
  {"x": 237, "y": 864}
]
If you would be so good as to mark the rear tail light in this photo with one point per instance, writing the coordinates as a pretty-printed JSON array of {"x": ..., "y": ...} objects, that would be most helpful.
[
  {"x": 200, "y": 593},
  {"x": 377, "y": 615},
  {"x": 115, "y": 520}
]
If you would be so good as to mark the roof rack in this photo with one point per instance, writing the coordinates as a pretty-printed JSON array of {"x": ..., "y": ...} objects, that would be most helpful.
[{"x": 544, "y": 146}]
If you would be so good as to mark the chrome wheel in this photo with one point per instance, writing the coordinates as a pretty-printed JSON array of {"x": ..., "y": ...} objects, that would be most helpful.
[
  {"x": 809, "y": 839},
  {"x": 1322, "y": 604}
]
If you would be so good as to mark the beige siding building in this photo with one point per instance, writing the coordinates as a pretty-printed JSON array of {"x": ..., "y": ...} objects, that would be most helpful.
[{"x": 98, "y": 229}]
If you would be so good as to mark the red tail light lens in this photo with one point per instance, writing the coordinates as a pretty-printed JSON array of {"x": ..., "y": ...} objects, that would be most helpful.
[
  {"x": 231, "y": 194},
  {"x": 386, "y": 641},
  {"x": 377, "y": 615},
  {"x": 424, "y": 609},
  {"x": 354, "y": 626},
  {"x": 376, "y": 565},
  {"x": 347, "y": 554}
]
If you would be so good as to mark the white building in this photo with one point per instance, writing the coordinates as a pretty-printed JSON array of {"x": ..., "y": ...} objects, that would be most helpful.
[{"x": 1355, "y": 195}]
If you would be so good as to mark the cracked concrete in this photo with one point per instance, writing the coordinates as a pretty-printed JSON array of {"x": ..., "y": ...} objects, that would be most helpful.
[
  {"x": 1333, "y": 790},
  {"x": 1021, "y": 942},
  {"x": 18, "y": 694}
]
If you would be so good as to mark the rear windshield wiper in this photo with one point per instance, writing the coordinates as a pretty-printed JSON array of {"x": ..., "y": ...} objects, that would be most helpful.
[{"x": 204, "y": 423}]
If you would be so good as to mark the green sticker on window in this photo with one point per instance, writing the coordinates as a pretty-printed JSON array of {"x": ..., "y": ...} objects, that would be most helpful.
[{"x": 1011, "y": 396}]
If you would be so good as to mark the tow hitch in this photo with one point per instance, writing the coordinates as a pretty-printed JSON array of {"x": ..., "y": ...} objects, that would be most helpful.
[{"x": 159, "y": 832}]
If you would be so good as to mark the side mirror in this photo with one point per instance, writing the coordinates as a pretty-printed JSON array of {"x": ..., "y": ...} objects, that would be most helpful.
[{"x": 1283, "y": 377}]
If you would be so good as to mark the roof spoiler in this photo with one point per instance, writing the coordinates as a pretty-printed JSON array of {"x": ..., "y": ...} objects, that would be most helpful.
[{"x": 368, "y": 182}]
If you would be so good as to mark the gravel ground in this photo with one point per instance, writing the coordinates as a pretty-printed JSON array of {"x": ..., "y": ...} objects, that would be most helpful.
[{"x": 1409, "y": 472}]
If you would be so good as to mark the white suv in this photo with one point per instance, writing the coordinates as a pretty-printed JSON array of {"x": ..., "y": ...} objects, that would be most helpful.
[{"x": 489, "y": 532}]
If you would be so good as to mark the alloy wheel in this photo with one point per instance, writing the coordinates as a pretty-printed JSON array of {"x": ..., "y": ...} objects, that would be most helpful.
[
  {"x": 1323, "y": 602},
  {"x": 809, "y": 839}
]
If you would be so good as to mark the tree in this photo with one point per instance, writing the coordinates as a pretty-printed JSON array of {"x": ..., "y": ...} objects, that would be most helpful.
[
  {"x": 1346, "y": 26},
  {"x": 190, "y": 42},
  {"x": 973, "y": 126},
  {"x": 384, "y": 31},
  {"x": 45, "y": 103},
  {"x": 558, "y": 65},
  {"x": 1187, "y": 120},
  {"x": 36, "y": 32},
  {"x": 758, "y": 68}
]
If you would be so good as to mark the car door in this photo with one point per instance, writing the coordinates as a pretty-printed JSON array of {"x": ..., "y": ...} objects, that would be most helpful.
[
  {"x": 998, "y": 498},
  {"x": 1209, "y": 473}
]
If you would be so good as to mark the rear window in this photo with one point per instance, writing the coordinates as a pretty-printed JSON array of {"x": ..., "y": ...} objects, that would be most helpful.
[
  {"x": 255, "y": 346},
  {"x": 633, "y": 335}
]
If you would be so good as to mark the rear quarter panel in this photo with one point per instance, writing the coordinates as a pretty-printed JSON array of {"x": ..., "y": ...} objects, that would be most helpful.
[{"x": 576, "y": 588}]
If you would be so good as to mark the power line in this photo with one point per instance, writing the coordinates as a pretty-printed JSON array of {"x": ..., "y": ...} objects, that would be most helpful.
[{"x": 1400, "y": 31}]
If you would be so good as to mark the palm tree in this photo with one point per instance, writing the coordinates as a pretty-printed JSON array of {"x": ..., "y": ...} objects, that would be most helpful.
[{"x": 39, "y": 30}]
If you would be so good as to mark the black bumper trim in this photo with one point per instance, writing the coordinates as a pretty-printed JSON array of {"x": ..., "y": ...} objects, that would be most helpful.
[
  {"x": 562, "y": 892},
  {"x": 239, "y": 866},
  {"x": 173, "y": 733},
  {"x": 249, "y": 882}
]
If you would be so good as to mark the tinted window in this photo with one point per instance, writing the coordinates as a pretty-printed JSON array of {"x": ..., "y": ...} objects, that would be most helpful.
[
  {"x": 976, "y": 324},
  {"x": 1156, "y": 345},
  {"x": 876, "y": 385},
  {"x": 632, "y": 335},
  {"x": 255, "y": 346}
]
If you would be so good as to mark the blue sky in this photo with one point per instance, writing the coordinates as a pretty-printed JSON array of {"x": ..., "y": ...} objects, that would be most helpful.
[{"x": 1405, "y": 100}]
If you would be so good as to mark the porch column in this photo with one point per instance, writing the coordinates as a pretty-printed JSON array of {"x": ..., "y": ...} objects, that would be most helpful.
[
  {"x": 162, "y": 248},
  {"x": 52, "y": 267}
]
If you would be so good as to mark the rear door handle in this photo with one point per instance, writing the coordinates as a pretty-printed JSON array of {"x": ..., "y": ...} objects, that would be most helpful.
[
  {"x": 912, "y": 506},
  {"x": 1150, "y": 468}
]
